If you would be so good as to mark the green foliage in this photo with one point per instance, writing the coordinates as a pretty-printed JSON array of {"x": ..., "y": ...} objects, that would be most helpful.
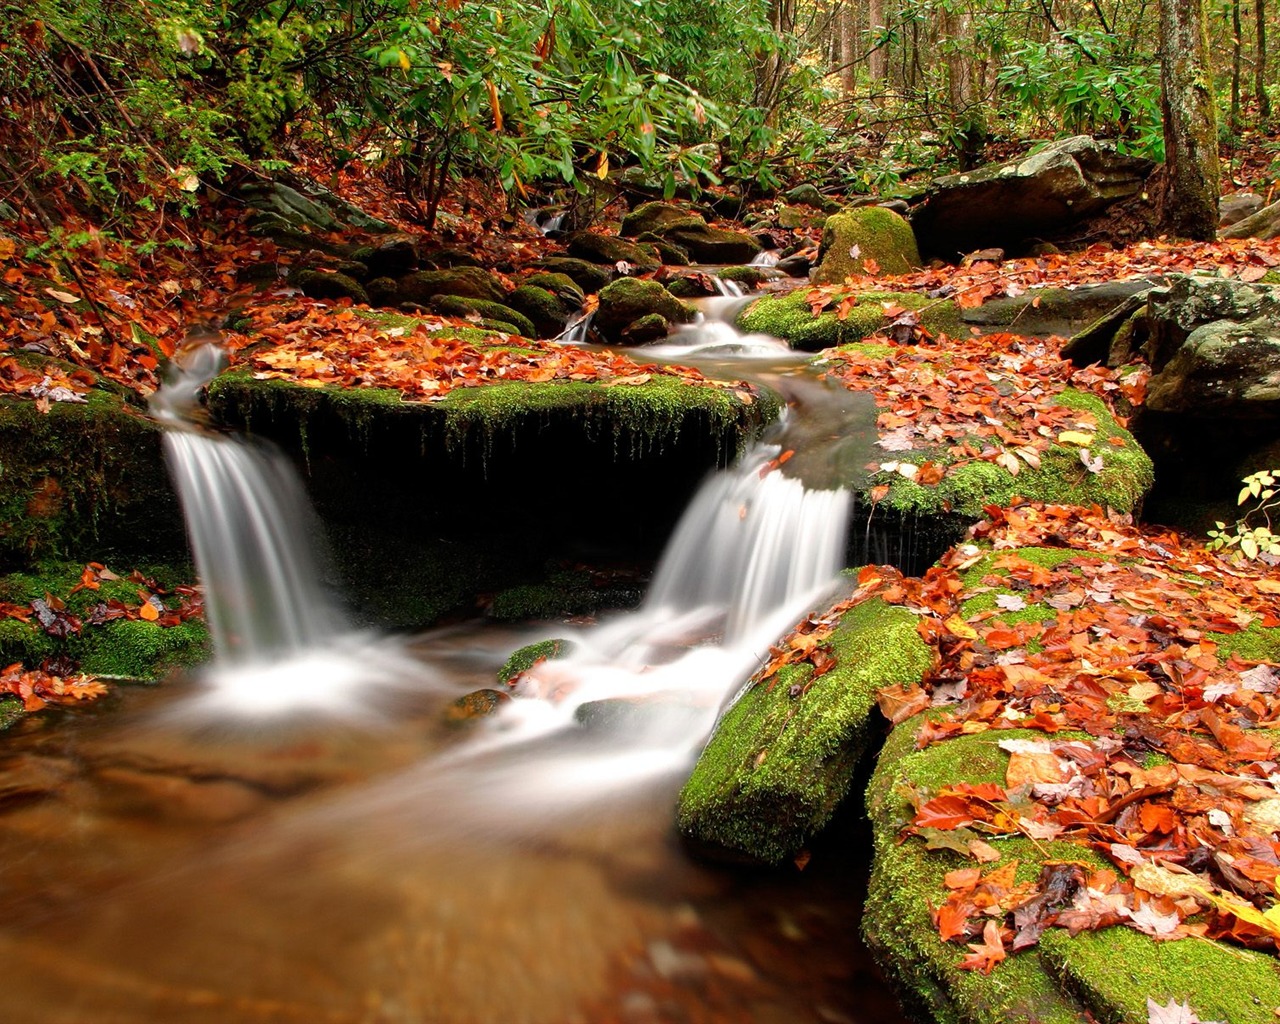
[
  {"x": 1089, "y": 82},
  {"x": 1252, "y": 539}
]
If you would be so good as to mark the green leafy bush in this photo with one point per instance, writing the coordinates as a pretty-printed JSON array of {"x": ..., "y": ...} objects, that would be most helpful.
[{"x": 1247, "y": 535}]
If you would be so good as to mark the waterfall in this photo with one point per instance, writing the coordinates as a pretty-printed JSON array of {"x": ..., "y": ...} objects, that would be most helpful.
[
  {"x": 280, "y": 642},
  {"x": 765, "y": 258}
]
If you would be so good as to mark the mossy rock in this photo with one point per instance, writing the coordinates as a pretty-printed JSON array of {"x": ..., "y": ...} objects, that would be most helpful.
[
  {"x": 752, "y": 277},
  {"x": 473, "y": 706},
  {"x": 383, "y": 291},
  {"x": 791, "y": 217},
  {"x": 524, "y": 658},
  {"x": 646, "y": 330},
  {"x": 783, "y": 757},
  {"x": 562, "y": 286},
  {"x": 83, "y": 481},
  {"x": 629, "y": 299},
  {"x": 493, "y": 312},
  {"x": 1125, "y": 478},
  {"x": 670, "y": 253},
  {"x": 542, "y": 309},
  {"x": 654, "y": 217},
  {"x": 589, "y": 277},
  {"x": 713, "y": 245},
  {"x": 466, "y": 282},
  {"x": 1104, "y": 976},
  {"x": 331, "y": 286},
  {"x": 609, "y": 249},
  {"x": 790, "y": 317},
  {"x": 874, "y": 233}
]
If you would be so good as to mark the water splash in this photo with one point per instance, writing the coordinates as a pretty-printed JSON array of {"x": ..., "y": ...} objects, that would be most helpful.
[{"x": 765, "y": 258}]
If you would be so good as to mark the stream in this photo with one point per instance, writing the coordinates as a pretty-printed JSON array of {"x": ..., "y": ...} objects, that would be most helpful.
[{"x": 295, "y": 834}]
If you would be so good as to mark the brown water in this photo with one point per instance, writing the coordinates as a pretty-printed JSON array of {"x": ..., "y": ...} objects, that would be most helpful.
[{"x": 158, "y": 872}]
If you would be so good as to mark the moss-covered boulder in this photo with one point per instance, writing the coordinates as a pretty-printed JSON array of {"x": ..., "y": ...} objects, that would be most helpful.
[
  {"x": 383, "y": 291},
  {"x": 524, "y": 658},
  {"x": 791, "y": 317},
  {"x": 465, "y": 282},
  {"x": 706, "y": 244},
  {"x": 629, "y": 299},
  {"x": 783, "y": 757},
  {"x": 331, "y": 285},
  {"x": 588, "y": 276},
  {"x": 562, "y": 286},
  {"x": 83, "y": 480},
  {"x": 791, "y": 217},
  {"x": 492, "y": 312},
  {"x": 670, "y": 254},
  {"x": 609, "y": 249},
  {"x": 868, "y": 233},
  {"x": 653, "y": 217},
  {"x": 752, "y": 277},
  {"x": 543, "y": 309}
]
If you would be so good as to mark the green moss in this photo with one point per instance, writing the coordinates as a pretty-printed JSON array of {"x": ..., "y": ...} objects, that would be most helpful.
[
  {"x": 10, "y": 711},
  {"x": 80, "y": 479},
  {"x": 496, "y": 312},
  {"x": 791, "y": 318},
  {"x": 1125, "y": 478},
  {"x": 780, "y": 761},
  {"x": 874, "y": 233},
  {"x": 139, "y": 650},
  {"x": 526, "y": 657},
  {"x": 1257, "y": 643},
  {"x": 1116, "y": 970}
]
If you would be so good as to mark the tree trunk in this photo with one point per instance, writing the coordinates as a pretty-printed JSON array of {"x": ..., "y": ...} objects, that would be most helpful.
[
  {"x": 847, "y": 49},
  {"x": 966, "y": 114},
  {"x": 1237, "y": 59},
  {"x": 1189, "y": 206},
  {"x": 1260, "y": 60},
  {"x": 878, "y": 61}
]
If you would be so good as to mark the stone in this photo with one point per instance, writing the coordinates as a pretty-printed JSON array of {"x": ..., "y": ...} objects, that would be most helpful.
[
  {"x": 383, "y": 291},
  {"x": 588, "y": 276},
  {"x": 791, "y": 217},
  {"x": 670, "y": 254},
  {"x": 1236, "y": 207},
  {"x": 713, "y": 245},
  {"x": 468, "y": 282},
  {"x": 647, "y": 329},
  {"x": 562, "y": 286},
  {"x": 654, "y": 216},
  {"x": 320, "y": 285},
  {"x": 473, "y": 706},
  {"x": 1055, "y": 310},
  {"x": 512, "y": 321},
  {"x": 544, "y": 309},
  {"x": 870, "y": 233},
  {"x": 609, "y": 249},
  {"x": 794, "y": 266},
  {"x": 449, "y": 257},
  {"x": 806, "y": 194},
  {"x": 391, "y": 257},
  {"x": 1042, "y": 195},
  {"x": 630, "y": 299}
]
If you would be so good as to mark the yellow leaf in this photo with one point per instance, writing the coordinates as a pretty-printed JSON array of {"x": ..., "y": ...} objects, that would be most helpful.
[
  {"x": 1075, "y": 437},
  {"x": 494, "y": 105},
  {"x": 956, "y": 626},
  {"x": 7, "y": 248},
  {"x": 148, "y": 611},
  {"x": 403, "y": 57},
  {"x": 602, "y": 165},
  {"x": 66, "y": 297}
]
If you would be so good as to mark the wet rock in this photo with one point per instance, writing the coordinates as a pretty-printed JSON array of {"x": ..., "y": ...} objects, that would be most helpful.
[
  {"x": 542, "y": 308},
  {"x": 608, "y": 249},
  {"x": 751, "y": 277},
  {"x": 713, "y": 245},
  {"x": 1236, "y": 207},
  {"x": 320, "y": 285},
  {"x": 511, "y": 321},
  {"x": 467, "y": 282},
  {"x": 175, "y": 797},
  {"x": 654, "y": 217},
  {"x": 474, "y": 706},
  {"x": 562, "y": 286},
  {"x": 629, "y": 299},
  {"x": 870, "y": 233},
  {"x": 1042, "y": 195},
  {"x": 794, "y": 266},
  {"x": 646, "y": 329},
  {"x": 1055, "y": 310},
  {"x": 390, "y": 258},
  {"x": 524, "y": 658},
  {"x": 589, "y": 277}
]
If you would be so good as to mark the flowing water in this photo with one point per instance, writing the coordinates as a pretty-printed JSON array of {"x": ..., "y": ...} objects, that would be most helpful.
[{"x": 190, "y": 854}]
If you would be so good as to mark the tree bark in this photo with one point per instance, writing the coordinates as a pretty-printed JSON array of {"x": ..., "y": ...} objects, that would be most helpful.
[
  {"x": 878, "y": 61},
  {"x": 847, "y": 50},
  {"x": 1260, "y": 60},
  {"x": 1189, "y": 206},
  {"x": 1237, "y": 61}
]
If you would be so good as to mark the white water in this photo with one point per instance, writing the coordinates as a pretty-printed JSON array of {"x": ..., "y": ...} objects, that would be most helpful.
[
  {"x": 281, "y": 643},
  {"x": 765, "y": 258}
]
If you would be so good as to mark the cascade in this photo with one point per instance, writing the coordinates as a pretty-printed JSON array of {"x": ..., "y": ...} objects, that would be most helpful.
[
  {"x": 765, "y": 258},
  {"x": 280, "y": 640}
]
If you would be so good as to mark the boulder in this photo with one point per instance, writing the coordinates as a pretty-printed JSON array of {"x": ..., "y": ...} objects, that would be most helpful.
[
  {"x": 792, "y": 217},
  {"x": 562, "y": 286},
  {"x": 468, "y": 282},
  {"x": 1236, "y": 207},
  {"x": 1055, "y": 310},
  {"x": 654, "y": 216},
  {"x": 670, "y": 254},
  {"x": 706, "y": 244},
  {"x": 1044, "y": 194},
  {"x": 609, "y": 249},
  {"x": 629, "y": 299},
  {"x": 383, "y": 291},
  {"x": 1264, "y": 224},
  {"x": 495, "y": 313},
  {"x": 320, "y": 285},
  {"x": 588, "y": 276},
  {"x": 795, "y": 265},
  {"x": 806, "y": 195},
  {"x": 390, "y": 258},
  {"x": 544, "y": 309},
  {"x": 870, "y": 233}
]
